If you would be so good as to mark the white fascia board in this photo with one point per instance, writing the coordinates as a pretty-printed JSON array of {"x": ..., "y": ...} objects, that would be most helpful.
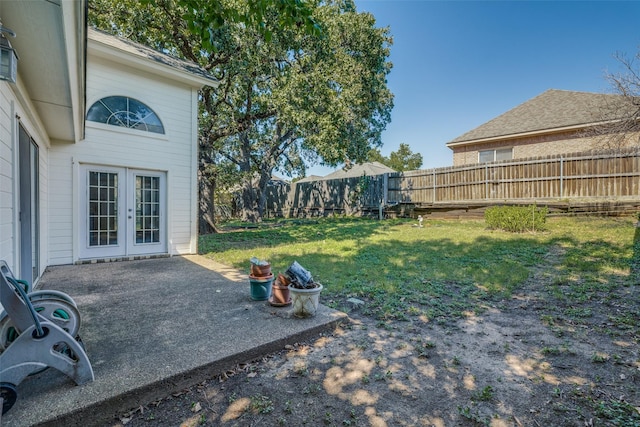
[{"x": 75, "y": 39}]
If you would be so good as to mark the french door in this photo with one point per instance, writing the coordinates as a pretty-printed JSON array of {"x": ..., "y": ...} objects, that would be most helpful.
[{"x": 123, "y": 212}]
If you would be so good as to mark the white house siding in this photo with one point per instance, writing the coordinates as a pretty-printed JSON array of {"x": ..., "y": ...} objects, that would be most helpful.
[
  {"x": 7, "y": 209},
  {"x": 13, "y": 106},
  {"x": 61, "y": 207},
  {"x": 173, "y": 153}
]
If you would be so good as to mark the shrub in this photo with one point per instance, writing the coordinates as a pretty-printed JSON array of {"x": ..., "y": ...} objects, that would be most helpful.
[{"x": 516, "y": 218}]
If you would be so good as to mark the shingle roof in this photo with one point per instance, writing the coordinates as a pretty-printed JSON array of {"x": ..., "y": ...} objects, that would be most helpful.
[
  {"x": 310, "y": 178},
  {"x": 553, "y": 109},
  {"x": 146, "y": 52},
  {"x": 369, "y": 169}
]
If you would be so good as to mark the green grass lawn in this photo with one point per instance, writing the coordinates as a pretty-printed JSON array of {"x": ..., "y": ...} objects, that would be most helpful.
[
  {"x": 443, "y": 270},
  {"x": 579, "y": 276}
]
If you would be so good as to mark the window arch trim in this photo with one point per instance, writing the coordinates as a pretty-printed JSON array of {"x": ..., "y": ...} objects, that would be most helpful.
[{"x": 127, "y": 112}]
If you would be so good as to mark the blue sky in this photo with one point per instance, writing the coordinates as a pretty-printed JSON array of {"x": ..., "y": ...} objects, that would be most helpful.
[{"x": 458, "y": 64}]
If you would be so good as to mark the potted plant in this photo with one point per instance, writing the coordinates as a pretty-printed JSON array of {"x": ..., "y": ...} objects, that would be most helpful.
[
  {"x": 260, "y": 279},
  {"x": 305, "y": 292},
  {"x": 260, "y": 268},
  {"x": 280, "y": 295}
]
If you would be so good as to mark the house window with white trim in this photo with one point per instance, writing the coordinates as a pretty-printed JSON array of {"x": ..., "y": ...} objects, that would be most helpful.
[
  {"x": 126, "y": 112},
  {"x": 485, "y": 156}
]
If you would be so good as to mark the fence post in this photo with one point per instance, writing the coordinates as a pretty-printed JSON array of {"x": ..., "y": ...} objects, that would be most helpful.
[
  {"x": 486, "y": 181},
  {"x": 561, "y": 176},
  {"x": 385, "y": 189},
  {"x": 434, "y": 186}
]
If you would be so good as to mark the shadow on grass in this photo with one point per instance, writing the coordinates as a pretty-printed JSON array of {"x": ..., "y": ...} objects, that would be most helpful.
[
  {"x": 436, "y": 278},
  {"x": 635, "y": 258},
  {"x": 405, "y": 272},
  {"x": 291, "y": 231}
]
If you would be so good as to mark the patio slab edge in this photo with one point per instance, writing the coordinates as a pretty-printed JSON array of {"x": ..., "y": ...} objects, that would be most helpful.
[{"x": 110, "y": 409}]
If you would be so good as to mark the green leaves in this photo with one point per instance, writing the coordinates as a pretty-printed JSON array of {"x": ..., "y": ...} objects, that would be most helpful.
[
  {"x": 204, "y": 17},
  {"x": 401, "y": 160},
  {"x": 516, "y": 218}
]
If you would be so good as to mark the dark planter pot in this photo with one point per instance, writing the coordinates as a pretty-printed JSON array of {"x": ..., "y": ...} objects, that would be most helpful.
[{"x": 260, "y": 287}]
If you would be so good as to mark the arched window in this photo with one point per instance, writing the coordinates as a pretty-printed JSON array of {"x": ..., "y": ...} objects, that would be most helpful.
[{"x": 126, "y": 112}]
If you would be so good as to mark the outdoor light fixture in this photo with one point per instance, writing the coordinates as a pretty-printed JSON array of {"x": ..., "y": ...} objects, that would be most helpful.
[{"x": 8, "y": 57}]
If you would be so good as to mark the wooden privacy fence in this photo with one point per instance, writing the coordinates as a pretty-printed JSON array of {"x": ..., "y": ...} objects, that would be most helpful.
[
  {"x": 610, "y": 174},
  {"x": 348, "y": 196},
  {"x": 606, "y": 175}
]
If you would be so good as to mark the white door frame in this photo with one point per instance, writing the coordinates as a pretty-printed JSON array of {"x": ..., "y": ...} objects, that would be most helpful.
[
  {"x": 146, "y": 212},
  {"x": 29, "y": 205},
  {"x": 114, "y": 220}
]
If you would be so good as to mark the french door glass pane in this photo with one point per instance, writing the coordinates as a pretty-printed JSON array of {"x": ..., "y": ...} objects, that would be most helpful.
[
  {"x": 103, "y": 208},
  {"x": 147, "y": 209}
]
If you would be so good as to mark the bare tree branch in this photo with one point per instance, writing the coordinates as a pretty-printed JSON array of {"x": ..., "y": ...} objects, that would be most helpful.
[{"x": 617, "y": 120}]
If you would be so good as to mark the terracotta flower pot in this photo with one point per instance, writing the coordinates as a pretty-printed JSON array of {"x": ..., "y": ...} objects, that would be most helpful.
[
  {"x": 280, "y": 295},
  {"x": 260, "y": 270},
  {"x": 283, "y": 280}
]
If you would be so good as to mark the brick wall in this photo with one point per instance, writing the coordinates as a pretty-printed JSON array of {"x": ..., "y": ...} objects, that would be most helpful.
[{"x": 534, "y": 146}]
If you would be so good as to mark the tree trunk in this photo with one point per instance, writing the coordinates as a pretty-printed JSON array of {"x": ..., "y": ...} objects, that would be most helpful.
[
  {"x": 265, "y": 177},
  {"x": 248, "y": 200},
  {"x": 206, "y": 204},
  {"x": 250, "y": 211},
  {"x": 254, "y": 197}
]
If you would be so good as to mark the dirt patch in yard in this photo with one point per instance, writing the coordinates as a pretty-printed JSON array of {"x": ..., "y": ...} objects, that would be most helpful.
[{"x": 521, "y": 362}]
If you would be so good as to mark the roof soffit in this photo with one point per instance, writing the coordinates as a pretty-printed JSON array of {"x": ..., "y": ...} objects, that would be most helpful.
[{"x": 49, "y": 36}]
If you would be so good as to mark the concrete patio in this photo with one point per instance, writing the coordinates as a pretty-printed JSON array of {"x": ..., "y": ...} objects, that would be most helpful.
[{"x": 152, "y": 327}]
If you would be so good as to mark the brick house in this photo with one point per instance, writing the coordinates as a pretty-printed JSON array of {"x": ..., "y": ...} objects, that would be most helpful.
[{"x": 554, "y": 122}]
